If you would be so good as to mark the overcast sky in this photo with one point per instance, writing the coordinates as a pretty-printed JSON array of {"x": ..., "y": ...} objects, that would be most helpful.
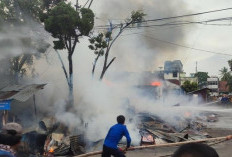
[{"x": 140, "y": 52}]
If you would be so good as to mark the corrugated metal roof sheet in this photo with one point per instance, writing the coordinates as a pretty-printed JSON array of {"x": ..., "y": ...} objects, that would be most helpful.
[
  {"x": 14, "y": 88},
  {"x": 20, "y": 92}
]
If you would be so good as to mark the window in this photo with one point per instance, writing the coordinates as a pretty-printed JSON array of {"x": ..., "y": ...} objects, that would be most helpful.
[{"x": 174, "y": 74}]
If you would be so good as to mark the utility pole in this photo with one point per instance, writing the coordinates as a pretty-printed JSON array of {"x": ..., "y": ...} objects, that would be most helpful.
[
  {"x": 77, "y": 5},
  {"x": 90, "y": 4},
  {"x": 196, "y": 66}
]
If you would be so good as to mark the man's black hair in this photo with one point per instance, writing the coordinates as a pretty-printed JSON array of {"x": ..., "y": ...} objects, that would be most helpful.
[
  {"x": 121, "y": 119},
  {"x": 9, "y": 139},
  {"x": 195, "y": 150}
]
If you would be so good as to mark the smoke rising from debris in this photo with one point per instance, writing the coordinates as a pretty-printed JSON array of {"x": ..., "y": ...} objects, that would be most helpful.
[
  {"x": 97, "y": 104},
  {"x": 16, "y": 40}
]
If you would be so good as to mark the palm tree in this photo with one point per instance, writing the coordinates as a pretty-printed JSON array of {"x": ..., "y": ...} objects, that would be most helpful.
[
  {"x": 225, "y": 74},
  {"x": 230, "y": 64}
]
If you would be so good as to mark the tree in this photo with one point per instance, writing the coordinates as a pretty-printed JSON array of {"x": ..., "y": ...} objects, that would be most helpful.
[
  {"x": 104, "y": 46},
  {"x": 229, "y": 84},
  {"x": 66, "y": 25},
  {"x": 21, "y": 13},
  {"x": 225, "y": 74},
  {"x": 19, "y": 65},
  {"x": 189, "y": 86},
  {"x": 229, "y": 77},
  {"x": 202, "y": 78},
  {"x": 230, "y": 64},
  {"x": 98, "y": 46}
]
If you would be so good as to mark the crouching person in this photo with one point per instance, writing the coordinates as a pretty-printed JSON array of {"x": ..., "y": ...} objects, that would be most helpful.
[
  {"x": 113, "y": 137},
  {"x": 10, "y": 138}
]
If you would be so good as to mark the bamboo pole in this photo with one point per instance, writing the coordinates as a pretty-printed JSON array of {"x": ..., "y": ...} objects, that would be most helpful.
[{"x": 229, "y": 137}]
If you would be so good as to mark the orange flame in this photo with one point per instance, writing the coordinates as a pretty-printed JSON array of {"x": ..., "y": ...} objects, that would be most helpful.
[
  {"x": 51, "y": 150},
  {"x": 155, "y": 83}
]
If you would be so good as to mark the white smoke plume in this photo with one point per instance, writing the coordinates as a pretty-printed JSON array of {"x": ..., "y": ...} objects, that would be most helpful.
[{"x": 97, "y": 104}]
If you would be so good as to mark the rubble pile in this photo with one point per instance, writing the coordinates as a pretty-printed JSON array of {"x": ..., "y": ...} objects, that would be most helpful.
[
  {"x": 153, "y": 130},
  {"x": 55, "y": 139}
]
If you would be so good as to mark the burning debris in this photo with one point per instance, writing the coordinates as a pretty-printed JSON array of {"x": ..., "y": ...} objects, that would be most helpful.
[
  {"x": 153, "y": 130},
  {"x": 57, "y": 141}
]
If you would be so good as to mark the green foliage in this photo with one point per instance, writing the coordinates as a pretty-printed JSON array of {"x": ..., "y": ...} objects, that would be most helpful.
[
  {"x": 62, "y": 21},
  {"x": 20, "y": 64},
  {"x": 202, "y": 77},
  {"x": 99, "y": 43},
  {"x": 6, "y": 9},
  {"x": 65, "y": 23},
  {"x": 30, "y": 7},
  {"x": 137, "y": 16},
  {"x": 18, "y": 11},
  {"x": 189, "y": 86},
  {"x": 230, "y": 64},
  {"x": 225, "y": 74},
  {"x": 229, "y": 84},
  {"x": 86, "y": 22},
  {"x": 59, "y": 44}
]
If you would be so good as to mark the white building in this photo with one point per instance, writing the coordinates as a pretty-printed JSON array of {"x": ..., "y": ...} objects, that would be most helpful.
[
  {"x": 213, "y": 85},
  {"x": 172, "y": 71}
]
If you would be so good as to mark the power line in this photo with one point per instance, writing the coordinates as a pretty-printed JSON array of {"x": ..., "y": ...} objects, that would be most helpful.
[
  {"x": 175, "y": 17},
  {"x": 178, "y": 23},
  {"x": 85, "y": 3},
  {"x": 187, "y": 15},
  {"x": 188, "y": 47},
  {"x": 175, "y": 44}
]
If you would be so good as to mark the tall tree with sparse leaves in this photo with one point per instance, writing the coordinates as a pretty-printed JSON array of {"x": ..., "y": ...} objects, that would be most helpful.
[
  {"x": 67, "y": 25},
  {"x": 98, "y": 44},
  {"x": 103, "y": 47}
]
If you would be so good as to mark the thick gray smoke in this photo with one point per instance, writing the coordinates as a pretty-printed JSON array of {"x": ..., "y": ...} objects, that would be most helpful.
[
  {"x": 139, "y": 47},
  {"x": 97, "y": 104},
  {"x": 25, "y": 38}
]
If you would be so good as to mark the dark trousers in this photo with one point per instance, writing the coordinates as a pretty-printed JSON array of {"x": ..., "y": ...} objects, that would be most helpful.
[{"x": 107, "y": 152}]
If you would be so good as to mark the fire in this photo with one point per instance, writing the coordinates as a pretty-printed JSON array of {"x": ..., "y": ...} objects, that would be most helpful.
[
  {"x": 155, "y": 83},
  {"x": 51, "y": 150}
]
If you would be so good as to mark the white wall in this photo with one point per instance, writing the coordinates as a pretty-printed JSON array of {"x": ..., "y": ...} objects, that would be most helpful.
[{"x": 168, "y": 76}]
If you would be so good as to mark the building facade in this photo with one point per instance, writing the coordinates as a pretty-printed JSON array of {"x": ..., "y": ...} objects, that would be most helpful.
[
  {"x": 213, "y": 85},
  {"x": 172, "y": 71}
]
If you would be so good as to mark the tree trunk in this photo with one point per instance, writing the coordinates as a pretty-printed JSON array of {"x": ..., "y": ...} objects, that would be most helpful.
[
  {"x": 94, "y": 64},
  {"x": 105, "y": 63},
  {"x": 71, "y": 98}
]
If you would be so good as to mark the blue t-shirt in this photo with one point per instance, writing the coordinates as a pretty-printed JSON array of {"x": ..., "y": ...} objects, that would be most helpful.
[
  {"x": 115, "y": 134},
  {"x": 6, "y": 153}
]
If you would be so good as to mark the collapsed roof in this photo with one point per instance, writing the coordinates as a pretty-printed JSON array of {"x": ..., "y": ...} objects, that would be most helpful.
[{"x": 20, "y": 92}]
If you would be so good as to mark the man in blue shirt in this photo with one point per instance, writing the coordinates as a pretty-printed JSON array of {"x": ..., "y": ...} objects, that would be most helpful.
[{"x": 113, "y": 137}]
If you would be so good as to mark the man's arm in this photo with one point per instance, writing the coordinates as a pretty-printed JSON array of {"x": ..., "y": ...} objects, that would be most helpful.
[{"x": 127, "y": 135}]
